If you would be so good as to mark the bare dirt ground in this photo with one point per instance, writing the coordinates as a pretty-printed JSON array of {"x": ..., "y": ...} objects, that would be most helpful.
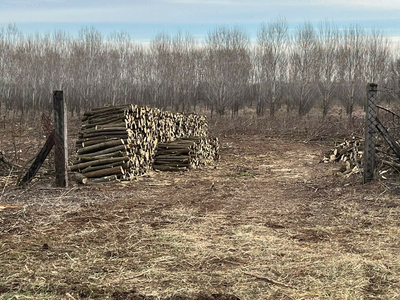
[{"x": 266, "y": 222}]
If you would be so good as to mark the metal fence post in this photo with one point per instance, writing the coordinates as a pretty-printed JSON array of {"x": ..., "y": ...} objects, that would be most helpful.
[{"x": 370, "y": 131}]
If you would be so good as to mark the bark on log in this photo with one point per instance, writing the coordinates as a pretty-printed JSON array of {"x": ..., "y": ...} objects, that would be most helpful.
[
  {"x": 100, "y": 146},
  {"x": 102, "y": 179},
  {"x": 95, "y": 142},
  {"x": 103, "y": 156},
  {"x": 108, "y": 150},
  {"x": 169, "y": 168},
  {"x": 81, "y": 179},
  {"x": 105, "y": 172},
  {"x": 96, "y": 133},
  {"x": 101, "y": 167},
  {"x": 106, "y": 161}
]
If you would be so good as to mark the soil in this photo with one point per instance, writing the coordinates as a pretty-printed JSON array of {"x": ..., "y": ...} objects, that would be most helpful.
[{"x": 268, "y": 221}]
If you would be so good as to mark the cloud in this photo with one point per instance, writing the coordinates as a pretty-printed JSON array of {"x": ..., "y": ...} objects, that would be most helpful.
[
  {"x": 111, "y": 13},
  {"x": 209, "y": 12},
  {"x": 383, "y": 4}
]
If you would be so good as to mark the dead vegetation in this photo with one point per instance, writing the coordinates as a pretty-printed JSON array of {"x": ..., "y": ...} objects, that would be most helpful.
[{"x": 267, "y": 222}]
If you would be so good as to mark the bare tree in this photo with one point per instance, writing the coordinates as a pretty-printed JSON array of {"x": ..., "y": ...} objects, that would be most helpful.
[
  {"x": 163, "y": 81},
  {"x": 328, "y": 51},
  {"x": 184, "y": 70},
  {"x": 226, "y": 72},
  {"x": 392, "y": 81},
  {"x": 226, "y": 68},
  {"x": 303, "y": 71},
  {"x": 272, "y": 42},
  {"x": 351, "y": 57},
  {"x": 377, "y": 59}
]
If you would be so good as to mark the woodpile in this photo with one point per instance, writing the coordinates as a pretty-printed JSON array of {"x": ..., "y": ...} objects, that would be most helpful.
[
  {"x": 186, "y": 153},
  {"x": 120, "y": 142},
  {"x": 350, "y": 154}
]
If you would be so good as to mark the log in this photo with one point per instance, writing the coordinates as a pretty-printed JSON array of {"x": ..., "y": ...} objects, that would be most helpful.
[
  {"x": 81, "y": 179},
  {"x": 95, "y": 142},
  {"x": 105, "y": 172},
  {"x": 111, "y": 125},
  {"x": 172, "y": 157},
  {"x": 101, "y": 167},
  {"x": 97, "y": 139},
  {"x": 103, "y": 156},
  {"x": 107, "y": 150},
  {"x": 102, "y": 179},
  {"x": 106, "y": 161},
  {"x": 169, "y": 168},
  {"x": 100, "y": 146},
  {"x": 173, "y": 152},
  {"x": 171, "y": 164},
  {"x": 104, "y": 130},
  {"x": 101, "y": 133}
]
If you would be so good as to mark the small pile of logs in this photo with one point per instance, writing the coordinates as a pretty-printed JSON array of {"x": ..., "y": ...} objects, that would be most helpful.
[
  {"x": 121, "y": 141},
  {"x": 350, "y": 154},
  {"x": 186, "y": 153}
]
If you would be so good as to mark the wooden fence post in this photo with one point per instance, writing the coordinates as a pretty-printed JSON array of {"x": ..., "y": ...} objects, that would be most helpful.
[
  {"x": 370, "y": 131},
  {"x": 60, "y": 139}
]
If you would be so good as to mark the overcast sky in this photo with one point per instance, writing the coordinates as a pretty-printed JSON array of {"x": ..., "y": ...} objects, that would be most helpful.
[{"x": 144, "y": 19}]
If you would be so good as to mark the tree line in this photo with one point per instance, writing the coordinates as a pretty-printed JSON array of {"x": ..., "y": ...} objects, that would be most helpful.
[{"x": 310, "y": 67}]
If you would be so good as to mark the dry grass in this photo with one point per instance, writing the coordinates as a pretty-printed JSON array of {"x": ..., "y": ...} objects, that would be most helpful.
[{"x": 269, "y": 222}]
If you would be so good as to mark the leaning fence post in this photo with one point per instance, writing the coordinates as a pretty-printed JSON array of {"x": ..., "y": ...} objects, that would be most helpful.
[
  {"x": 370, "y": 130},
  {"x": 60, "y": 139}
]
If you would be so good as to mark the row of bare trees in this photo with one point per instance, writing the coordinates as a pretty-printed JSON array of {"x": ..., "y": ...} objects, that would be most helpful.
[{"x": 311, "y": 67}]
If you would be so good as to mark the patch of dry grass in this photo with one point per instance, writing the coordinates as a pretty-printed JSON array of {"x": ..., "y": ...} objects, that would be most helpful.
[{"x": 291, "y": 231}]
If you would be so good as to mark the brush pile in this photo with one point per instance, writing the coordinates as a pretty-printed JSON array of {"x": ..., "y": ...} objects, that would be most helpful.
[
  {"x": 350, "y": 154},
  {"x": 121, "y": 141}
]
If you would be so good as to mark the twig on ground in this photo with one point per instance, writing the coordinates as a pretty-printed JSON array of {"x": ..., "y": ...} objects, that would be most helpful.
[
  {"x": 70, "y": 296},
  {"x": 270, "y": 281}
]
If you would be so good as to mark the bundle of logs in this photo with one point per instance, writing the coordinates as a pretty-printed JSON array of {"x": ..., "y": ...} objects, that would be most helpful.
[
  {"x": 350, "y": 154},
  {"x": 120, "y": 142},
  {"x": 186, "y": 153}
]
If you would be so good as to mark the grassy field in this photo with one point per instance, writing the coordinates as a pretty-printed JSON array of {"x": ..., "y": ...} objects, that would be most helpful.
[{"x": 269, "y": 221}]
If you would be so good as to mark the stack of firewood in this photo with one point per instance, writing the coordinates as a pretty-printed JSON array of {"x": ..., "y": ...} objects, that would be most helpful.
[
  {"x": 121, "y": 141},
  {"x": 350, "y": 154},
  {"x": 103, "y": 144},
  {"x": 186, "y": 153}
]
